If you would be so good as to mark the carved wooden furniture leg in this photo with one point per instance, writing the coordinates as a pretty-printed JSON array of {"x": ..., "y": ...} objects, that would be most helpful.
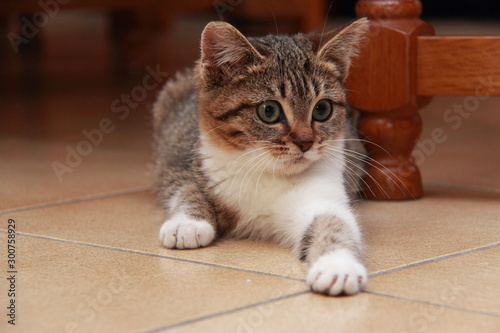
[{"x": 383, "y": 87}]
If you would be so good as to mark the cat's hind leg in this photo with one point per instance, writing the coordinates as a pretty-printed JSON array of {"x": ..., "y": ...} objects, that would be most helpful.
[{"x": 191, "y": 221}]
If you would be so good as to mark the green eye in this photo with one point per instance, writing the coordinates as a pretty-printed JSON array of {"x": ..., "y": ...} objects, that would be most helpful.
[
  {"x": 269, "y": 112},
  {"x": 322, "y": 110}
]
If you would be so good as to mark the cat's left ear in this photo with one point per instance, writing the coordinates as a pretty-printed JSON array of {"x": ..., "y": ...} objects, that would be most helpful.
[
  {"x": 225, "y": 53},
  {"x": 340, "y": 46}
]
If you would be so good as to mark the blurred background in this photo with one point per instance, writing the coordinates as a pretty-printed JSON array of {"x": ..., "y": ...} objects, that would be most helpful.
[{"x": 63, "y": 63}]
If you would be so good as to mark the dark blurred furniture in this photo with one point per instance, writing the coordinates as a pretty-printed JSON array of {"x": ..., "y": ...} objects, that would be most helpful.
[
  {"x": 309, "y": 14},
  {"x": 132, "y": 22}
]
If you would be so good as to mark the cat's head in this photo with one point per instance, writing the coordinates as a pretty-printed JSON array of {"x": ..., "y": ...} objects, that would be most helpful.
[{"x": 280, "y": 95}]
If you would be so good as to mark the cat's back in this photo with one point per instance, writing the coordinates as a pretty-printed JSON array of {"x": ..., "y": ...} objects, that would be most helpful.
[
  {"x": 176, "y": 100},
  {"x": 175, "y": 120}
]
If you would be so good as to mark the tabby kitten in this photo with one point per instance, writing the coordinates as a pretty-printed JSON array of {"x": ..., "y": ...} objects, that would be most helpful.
[{"x": 251, "y": 144}]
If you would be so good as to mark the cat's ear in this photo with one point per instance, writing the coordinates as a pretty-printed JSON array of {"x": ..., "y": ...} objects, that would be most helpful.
[
  {"x": 225, "y": 53},
  {"x": 341, "y": 45}
]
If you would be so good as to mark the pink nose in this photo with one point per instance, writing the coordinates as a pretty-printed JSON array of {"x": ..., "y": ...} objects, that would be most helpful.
[{"x": 304, "y": 145}]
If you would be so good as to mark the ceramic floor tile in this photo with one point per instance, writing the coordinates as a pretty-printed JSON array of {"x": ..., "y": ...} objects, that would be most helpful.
[
  {"x": 64, "y": 287},
  {"x": 396, "y": 233},
  {"x": 362, "y": 313},
  {"x": 132, "y": 222},
  {"x": 460, "y": 148},
  {"x": 443, "y": 222},
  {"x": 30, "y": 177},
  {"x": 467, "y": 281}
]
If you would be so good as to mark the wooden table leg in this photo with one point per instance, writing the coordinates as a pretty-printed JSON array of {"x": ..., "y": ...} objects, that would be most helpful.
[{"x": 382, "y": 86}]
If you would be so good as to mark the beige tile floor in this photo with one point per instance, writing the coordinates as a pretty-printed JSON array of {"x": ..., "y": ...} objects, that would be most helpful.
[{"x": 88, "y": 259}]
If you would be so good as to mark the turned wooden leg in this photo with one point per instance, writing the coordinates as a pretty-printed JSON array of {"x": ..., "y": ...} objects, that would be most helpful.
[
  {"x": 382, "y": 86},
  {"x": 390, "y": 173}
]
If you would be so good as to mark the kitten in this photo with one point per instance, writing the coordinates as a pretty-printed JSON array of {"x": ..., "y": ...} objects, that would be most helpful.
[{"x": 251, "y": 144}]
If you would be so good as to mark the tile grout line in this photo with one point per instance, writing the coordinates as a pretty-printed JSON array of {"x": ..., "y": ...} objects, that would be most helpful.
[
  {"x": 221, "y": 313},
  {"x": 413, "y": 300},
  {"x": 435, "y": 259},
  {"x": 149, "y": 188},
  {"x": 372, "y": 275},
  {"x": 105, "y": 247},
  {"x": 250, "y": 306},
  {"x": 190, "y": 321},
  {"x": 76, "y": 200}
]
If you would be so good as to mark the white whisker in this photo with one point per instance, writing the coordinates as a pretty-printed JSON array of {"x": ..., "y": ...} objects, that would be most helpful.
[
  {"x": 249, "y": 152},
  {"x": 270, "y": 158},
  {"x": 274, "y": 166},
  {"x": 366, "y": 159},
  {"x": 198, "y": 141},
  {"x": 242, "y": 185},
  {"x": 363, "y": 141},
  {"x": 335, "y": 157},
  {"x": 235, "y": 176},
  {"x": 350, "y": 179}
]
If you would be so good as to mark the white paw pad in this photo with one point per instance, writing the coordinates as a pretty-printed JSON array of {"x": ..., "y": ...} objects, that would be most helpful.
[
  {"x": 336, "y": 273},
  {"x": 182, "y": 232}
]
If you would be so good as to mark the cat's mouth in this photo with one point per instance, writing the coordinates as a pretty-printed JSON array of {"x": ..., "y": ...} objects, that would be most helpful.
[
  {"x": 292, "y": 161},
  {"x": 294, "y": 165},
  {"x": 295, "y": 160},
  {"x": 287, "y": 158},
  {"x": 300, "y": 159}
]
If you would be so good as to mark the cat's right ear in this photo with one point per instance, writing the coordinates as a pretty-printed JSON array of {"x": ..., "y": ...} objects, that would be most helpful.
[
  {"x": 225, "y": 53},
  {"x": 340, "y": 46}
]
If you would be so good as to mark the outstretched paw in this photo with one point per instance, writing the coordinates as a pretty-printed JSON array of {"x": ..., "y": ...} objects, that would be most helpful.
[
  {"x": 182, "y": 232},
  {"x": 336, "y": 273}
]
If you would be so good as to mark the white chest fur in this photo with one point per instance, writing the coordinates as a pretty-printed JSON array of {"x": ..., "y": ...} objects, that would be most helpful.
[{"x": 273, "y": 206}]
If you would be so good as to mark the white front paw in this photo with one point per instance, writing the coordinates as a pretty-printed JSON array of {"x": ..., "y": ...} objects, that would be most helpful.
[
  {"x": 338, "y": 272},
  {"x": 182, "y": 232}
]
